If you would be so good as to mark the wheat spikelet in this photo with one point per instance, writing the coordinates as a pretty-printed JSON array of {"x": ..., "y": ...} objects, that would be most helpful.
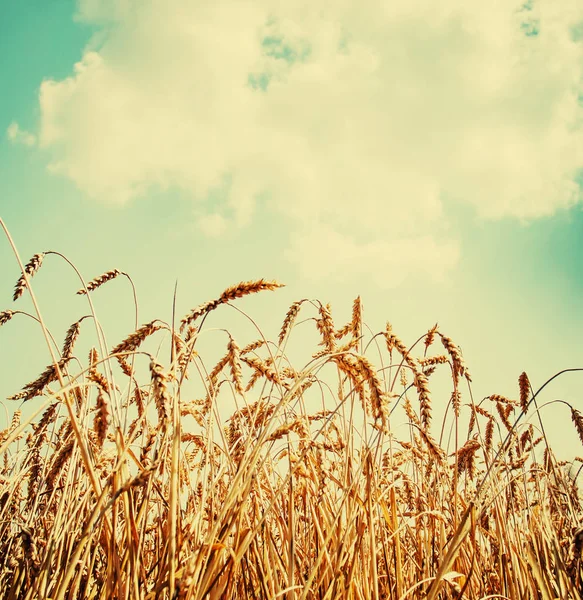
[
  {"x": 101, "y": 420},
  {"x": 473, "y": 420},
  {"x": 93, "y": 358},
  {"x": 197, "y": 312},
  {"x": 248, "y": 287},
  {"x": 456, "y": 401},
  {"x": 48, "y": 417},
  {"x": 575, "y": 549},
  {"x": 59, "y": 461},
  {"x": 214, "y": 374},
  {"x": 133, "y": 341},
  {"x": 524, "y": 387},
  {"x": 354, "y": 326},
  {"x": 578, "y": 421},
  {"x": 348, "y": 365},
  {"x": 235, "y": 364},
  {"x": 459, "y": 366},
  {"x": 296, "y": 425},
  {"x": 325, "y": 326},
  {"x": 138, "y": 399},
  {"x": 150, "y": 440},
  {"x": 231, "y": 293},
  {"x": 263, "y": 368},
  {"x": 288, "y": 373},
  {"x": 525, "y": 438},
  {"x": 356, "y": 323},
  {"x": 288, "y": 322},
  {"x": 30, "y": 550},
  {"x": 501, "y": 399},
  {"x": 36, "y": 387},
  {"x": 100, "y": 379},
  {"x": 430, "y": 337},
  {"x": 31, "y": 268},
  {"x": 483, "y": 412},
  {"x": 251, "y": 347},
  {"x": 187, "y": 353},
  {"x": 4, "y": 434},
  {"x": 503, "y": 413},
  {"x": 422, "y": 385},
  {"x": 340, "y": 333},
  {"x": 519, "y": 463},
  {"x": 378, "y": 397},
  {"x": 411, "y": 415},
  {"x": 15, "y": 422},
  {"x": 99, "y": 281},
  {"x": 394, "y": 342},
  {"x": 433, "y": 446},
  {"x": 465, "y": 457},
  {"x": 70, "y": 339},
  {"x": 432, "y": 360},
  {"x": 5, "y": 316},
  {"x": 160, "y": 390},
  {"x": 489, "y": 435}
]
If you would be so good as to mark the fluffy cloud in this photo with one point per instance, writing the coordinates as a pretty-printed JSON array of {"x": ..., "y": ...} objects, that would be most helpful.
[
  {"x": 355, "y": 122},
  {"x": 19, "y": 136}
]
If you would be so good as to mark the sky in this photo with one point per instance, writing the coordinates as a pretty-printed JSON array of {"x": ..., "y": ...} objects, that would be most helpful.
[{"x": 425, "y": 156}]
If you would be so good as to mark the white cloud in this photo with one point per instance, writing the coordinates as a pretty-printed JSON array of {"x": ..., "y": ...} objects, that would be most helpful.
[
  {"x": 322, "y": 252},
  {"x": 20, "y": 136},
  {"x": 213, "y": 225},
  {"x": 361, "y": 118}
]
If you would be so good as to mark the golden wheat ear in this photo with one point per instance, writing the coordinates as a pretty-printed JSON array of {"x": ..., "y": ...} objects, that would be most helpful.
[
  {"x": 99, "y": 281},
  {"x": 231, "y": 293},
  {"x": 30, "y": 269}
]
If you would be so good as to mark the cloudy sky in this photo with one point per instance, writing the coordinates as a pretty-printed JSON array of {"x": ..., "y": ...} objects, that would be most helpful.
[{"x": 425, "y": 155}]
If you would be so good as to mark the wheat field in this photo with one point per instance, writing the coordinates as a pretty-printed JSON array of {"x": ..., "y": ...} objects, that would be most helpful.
[{"x": 143, "y": 471}]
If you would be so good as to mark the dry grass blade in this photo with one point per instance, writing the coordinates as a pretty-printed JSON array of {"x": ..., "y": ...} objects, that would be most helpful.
[
  {"x": 31, "y": 268},
  {"x": 99, "y": 281}
]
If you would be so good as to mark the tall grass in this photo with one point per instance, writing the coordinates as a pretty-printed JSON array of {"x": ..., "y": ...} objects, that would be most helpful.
[{"x": 142, "y": 471}]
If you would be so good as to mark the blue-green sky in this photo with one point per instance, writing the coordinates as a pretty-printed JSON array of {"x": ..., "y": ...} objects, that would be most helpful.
[{"x": 427, "y": 157}]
